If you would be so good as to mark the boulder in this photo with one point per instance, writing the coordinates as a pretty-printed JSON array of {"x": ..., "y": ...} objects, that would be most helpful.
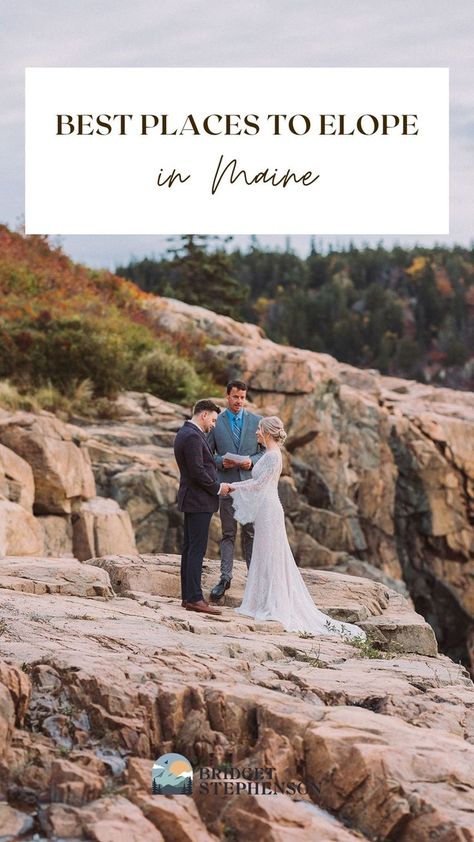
[
  {"x": 14, "y": 824},
  {"x": 20, "y": 532},
  {"x": 401, "y": 628},
  {"x": 101, "y": 527},
  {"x": 176, "y": 817},
  {"x": 173, "y": 315},
  {"x": 61, "y": 465},
  {"x": 57, "y": 535},
  {"x": 109, "y": 819},
  {"x": 143, "y": 574},
  {"x": 71, "y": 783},
  {"x": 346, "y": 765},
  {"x": 311, "y": 553},
  {"x": 16, "y": 479},
  {"x": 54, "y": 576},
  {"x": 267, "y": 364},
  {"x": 269, "y": 818},
  {"x": 19, "y": 686}
]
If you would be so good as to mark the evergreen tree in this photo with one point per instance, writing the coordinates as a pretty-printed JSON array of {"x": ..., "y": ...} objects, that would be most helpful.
[{"x": 206, "y": 278}]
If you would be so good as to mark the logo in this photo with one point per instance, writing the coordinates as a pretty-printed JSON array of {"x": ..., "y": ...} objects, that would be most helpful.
[
  {"x": 172, "y": 774},
  {"x": 227, "y": 779}
]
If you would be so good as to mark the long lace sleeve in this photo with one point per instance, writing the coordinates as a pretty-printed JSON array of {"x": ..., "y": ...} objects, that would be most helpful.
[{"x": 247, "y": 496}]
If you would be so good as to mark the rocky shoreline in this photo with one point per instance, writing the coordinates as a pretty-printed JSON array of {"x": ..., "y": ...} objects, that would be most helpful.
[{"x": 103, "y": 670}]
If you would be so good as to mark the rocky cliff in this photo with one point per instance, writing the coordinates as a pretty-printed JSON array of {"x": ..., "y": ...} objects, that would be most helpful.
[
  {"x": 378, "y": 478},
  {"x": 380, "y": 471},
  {"x": 103, "y": 670}
]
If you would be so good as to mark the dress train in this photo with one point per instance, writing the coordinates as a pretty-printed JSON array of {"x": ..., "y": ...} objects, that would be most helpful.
[{"x": 275, "y": 589}]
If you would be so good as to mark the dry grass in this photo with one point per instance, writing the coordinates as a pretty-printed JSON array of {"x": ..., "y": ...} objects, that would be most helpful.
[{"x": 79, "y": 400}]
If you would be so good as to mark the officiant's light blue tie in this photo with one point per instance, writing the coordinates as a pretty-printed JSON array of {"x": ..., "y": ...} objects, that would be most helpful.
[{"x": 236, "y": 431}]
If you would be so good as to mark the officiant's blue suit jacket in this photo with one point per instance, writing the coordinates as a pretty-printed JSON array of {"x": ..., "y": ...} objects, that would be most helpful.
[{"x": 221, "y": 441}]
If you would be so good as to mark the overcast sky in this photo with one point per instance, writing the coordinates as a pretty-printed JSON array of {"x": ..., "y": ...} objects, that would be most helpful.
[{"x": 136, "y": 33}]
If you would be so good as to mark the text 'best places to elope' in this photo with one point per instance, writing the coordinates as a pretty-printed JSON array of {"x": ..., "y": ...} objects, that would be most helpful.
[{"x": 237, "y": 150}]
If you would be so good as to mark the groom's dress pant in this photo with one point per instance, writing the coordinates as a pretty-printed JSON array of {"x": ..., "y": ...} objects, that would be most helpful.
[
  {"x": 229, "y": 532},
  {"x": 196, "y": 531}
]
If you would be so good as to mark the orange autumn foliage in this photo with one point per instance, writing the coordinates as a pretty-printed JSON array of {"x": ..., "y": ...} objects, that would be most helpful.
[{"x": 36, "y": 277}]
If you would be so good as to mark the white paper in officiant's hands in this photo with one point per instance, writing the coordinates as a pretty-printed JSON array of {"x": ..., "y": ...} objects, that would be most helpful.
[{"x": 236, "y": 457}]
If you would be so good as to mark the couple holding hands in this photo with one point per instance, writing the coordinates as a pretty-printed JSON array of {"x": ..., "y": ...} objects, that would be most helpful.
[{"x": 215, "y": 453}]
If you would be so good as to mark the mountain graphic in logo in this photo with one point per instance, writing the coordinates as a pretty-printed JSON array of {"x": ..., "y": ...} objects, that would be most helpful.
[{"x": 172, "y": 774}]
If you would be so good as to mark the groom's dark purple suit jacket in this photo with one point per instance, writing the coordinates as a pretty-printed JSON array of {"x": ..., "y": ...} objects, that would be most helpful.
[{"x": 198, "y": 484}]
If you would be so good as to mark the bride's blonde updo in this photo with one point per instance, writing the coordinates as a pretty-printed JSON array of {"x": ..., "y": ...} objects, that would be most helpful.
[{"x": 273, "y": 426}]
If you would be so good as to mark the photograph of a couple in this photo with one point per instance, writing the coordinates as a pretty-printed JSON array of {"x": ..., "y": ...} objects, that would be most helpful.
[
  {"x": 151, "y": 418},
  {"x": 215, "y": 453},
  {"x": 236, "y": 467}
]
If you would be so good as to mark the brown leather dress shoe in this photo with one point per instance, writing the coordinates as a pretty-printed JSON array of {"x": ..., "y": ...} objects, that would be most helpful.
[
  {"x": 183, "y": 604},
  {"x": 202, "y": 607}
]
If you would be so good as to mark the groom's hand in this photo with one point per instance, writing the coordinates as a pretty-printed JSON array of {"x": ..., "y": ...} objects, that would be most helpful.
[{"x": 224, "y": 489}]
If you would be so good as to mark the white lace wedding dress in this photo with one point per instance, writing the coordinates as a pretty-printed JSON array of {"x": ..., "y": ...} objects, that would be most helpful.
[{"x": 275, "y": 589}]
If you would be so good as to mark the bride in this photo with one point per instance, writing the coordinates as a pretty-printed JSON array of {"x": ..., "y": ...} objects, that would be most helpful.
[{"x": 275, "y": 589}]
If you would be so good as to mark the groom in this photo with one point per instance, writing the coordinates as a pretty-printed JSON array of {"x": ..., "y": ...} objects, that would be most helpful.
[
  {"x": 197, "y": 498},
  {"x": 234, "y": 432}
]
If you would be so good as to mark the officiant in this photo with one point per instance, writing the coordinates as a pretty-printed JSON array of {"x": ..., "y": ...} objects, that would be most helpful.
[{"x": 235, "y": 435}]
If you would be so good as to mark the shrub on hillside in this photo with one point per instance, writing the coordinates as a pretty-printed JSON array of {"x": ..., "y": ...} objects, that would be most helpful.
[
  {"x": 57, "y": 351},
  {"x": 168, "y": 376},
  {"x": 54, "y": 355}
]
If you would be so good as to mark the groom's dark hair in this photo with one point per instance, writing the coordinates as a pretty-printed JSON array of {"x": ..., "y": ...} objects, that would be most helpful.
[
  {"x": 205, "y": 405},
  {"x": 236, "y": 384}
]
